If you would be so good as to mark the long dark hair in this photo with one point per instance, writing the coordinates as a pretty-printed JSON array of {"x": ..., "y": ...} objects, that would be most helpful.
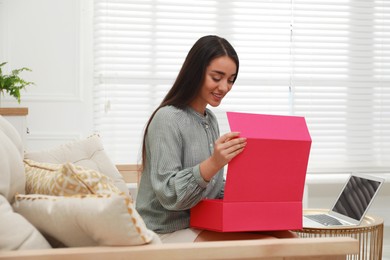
[{"x": 191, "y": 76}]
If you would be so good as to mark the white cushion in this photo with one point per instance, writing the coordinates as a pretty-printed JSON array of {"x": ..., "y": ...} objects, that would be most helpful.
[
  {"x": 9, "y": 130},
  {"x": 16, "y": 232},
  {"x": 86, "y": 220},
  {"x": 11, "y": 164},
  {"x": 88, "y": 152}
]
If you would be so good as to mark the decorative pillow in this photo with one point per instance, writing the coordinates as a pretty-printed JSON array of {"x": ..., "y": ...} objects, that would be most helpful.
[
  {"x": 88, "y": 153},
  {"x": 65, "y": 179},
  {"x": 86, "y": 220}
]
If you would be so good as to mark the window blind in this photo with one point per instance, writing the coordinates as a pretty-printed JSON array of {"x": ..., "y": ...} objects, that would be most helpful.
[{"x": 328, "y": 61}]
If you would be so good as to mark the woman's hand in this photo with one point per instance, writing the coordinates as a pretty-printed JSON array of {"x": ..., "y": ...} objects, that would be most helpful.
[{"x": 226, "y": 148}]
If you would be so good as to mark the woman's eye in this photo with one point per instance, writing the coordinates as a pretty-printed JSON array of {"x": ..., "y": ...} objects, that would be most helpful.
[{"x": 216, "y": 79}]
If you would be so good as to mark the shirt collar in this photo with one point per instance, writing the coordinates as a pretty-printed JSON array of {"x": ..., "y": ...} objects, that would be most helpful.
[{"x": 200, "y": 117}]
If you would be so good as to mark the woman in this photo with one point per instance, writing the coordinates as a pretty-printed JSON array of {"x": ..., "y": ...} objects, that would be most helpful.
[{"x": 183, "y": 156}]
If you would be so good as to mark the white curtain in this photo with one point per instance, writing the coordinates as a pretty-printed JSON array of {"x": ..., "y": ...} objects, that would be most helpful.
[{"x": 328, "y": 61}]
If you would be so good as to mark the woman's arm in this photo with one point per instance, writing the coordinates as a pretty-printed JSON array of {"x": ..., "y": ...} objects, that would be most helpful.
[{"x": 176, "y": 182}]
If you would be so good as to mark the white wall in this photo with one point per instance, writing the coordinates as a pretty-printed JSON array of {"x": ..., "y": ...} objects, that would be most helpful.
[{"x": 54, "y": 39}]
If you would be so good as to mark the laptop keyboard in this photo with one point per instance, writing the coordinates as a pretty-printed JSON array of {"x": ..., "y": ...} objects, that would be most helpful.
[{"x": 324, "y": 219}]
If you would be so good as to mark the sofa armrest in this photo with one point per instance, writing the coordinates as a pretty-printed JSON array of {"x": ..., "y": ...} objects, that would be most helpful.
[
  {"x": 130, "y": 172},
  {"x": 304, "y": 248},
  {"x": 131, "y": 175}
]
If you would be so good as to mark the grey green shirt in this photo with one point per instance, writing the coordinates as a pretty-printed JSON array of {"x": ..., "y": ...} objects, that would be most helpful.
[{"x": 177, "y": 141}]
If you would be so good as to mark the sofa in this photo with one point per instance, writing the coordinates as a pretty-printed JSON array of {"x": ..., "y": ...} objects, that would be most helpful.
[{"x": 71, "y": 202}]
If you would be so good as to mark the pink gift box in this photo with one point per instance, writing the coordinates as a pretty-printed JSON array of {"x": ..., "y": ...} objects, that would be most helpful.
[{"x": 265, "y": 183}]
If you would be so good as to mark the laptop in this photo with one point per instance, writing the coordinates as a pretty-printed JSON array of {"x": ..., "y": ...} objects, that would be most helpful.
[{"x": 351, "y": 205}]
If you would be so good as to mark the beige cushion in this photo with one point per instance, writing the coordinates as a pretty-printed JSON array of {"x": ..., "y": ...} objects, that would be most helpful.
[
  {"x": 88, "y": 152},
  {"x": 86, "y": 220},
  {"x": 65, "y": 179}
]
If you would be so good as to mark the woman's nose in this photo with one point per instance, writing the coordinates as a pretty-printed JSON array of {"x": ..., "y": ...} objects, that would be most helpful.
[{"x": 224, "y": 85}]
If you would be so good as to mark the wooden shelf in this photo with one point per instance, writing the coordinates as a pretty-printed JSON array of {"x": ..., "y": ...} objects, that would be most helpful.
[{"x": 14, "y": 111}]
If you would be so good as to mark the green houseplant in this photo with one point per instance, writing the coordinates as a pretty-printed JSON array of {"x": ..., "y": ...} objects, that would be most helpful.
[{"x": 13, "y": 83}]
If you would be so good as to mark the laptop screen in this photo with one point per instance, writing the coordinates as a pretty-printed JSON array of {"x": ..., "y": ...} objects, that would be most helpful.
[{"x": 356, "y": 197}]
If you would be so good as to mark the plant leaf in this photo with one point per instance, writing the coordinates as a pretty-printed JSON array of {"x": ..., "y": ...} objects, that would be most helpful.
[{"x": 13, "y": 83}]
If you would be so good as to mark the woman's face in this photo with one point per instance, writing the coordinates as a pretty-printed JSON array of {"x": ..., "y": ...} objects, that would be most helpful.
[{"x": 219, "y": 79}]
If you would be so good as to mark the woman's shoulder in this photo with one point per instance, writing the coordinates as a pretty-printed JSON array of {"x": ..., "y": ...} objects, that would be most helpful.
[
  {"x": 178, "y": 115},
  {"x": 169, "y": 114},
  {"x": 169, "y": 111}
]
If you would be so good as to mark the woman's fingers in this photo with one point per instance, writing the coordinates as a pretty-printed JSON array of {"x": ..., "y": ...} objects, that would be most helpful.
[
  {"x": 230, "y": 145},
  {"x": 226, "y": 148},
  {"x": 234, "y": 150},
  {"x": 227, "y": 137}
]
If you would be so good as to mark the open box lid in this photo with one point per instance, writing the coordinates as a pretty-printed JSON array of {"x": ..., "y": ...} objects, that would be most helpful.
[{"x": 273, "y": 165}]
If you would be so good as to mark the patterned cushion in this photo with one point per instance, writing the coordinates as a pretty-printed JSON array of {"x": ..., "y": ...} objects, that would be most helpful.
[
  {"x": 84, "y": 200},
  {"x": 86, "y": 220},
  {"x": 65, "y": 179},
  {"x": 84, "y": 208},
  {"x": 88, "y": 153}
]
